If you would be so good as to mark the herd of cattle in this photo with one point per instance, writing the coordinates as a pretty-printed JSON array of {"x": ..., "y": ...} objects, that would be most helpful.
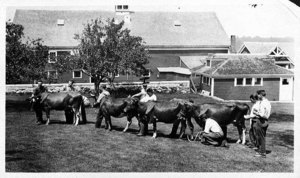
[{"x": 176, "y": 111}]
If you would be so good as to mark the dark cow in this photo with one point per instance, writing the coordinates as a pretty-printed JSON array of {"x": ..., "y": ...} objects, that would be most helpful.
[
  {"x": 152, "y": 112},
  {"x": 224, "y": 114},
  {"x": 71, "y": 101},
  {"x": 110, "y": 106}
]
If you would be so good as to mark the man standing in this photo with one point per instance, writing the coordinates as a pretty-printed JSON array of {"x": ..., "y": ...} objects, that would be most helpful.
[
  {"x": 103, "y": 93},
  {"x": 212, "y": 133},
  {"x": 142, "y": 94},
  {"x": 261, "y": 124},
  {"x": 38, "y": 107}
]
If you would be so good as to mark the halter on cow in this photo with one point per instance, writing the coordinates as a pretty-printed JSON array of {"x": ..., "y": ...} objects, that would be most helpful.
[{"x": 61, "y": 101}]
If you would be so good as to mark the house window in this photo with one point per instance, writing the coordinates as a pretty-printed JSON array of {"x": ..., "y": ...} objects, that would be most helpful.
[
  {"x": 257, "y": 81},
  {"x": 63, "y": 53},
  {"x": 77, "y": 74},
  {"x": 119, "y": 7},
  {"x": 206, "y": 80},
  {"x": 52, "y": 57},
  {"x": 52, "y": 74},
  {"x": 147, "y": 73},
  {"x": 285, "y": 81},
  {"x": 125, "y": 7},
  {"x": 208, "y": 63},
  {"x": 239, "y": 82},
  {"x": 248, "y": 81}
]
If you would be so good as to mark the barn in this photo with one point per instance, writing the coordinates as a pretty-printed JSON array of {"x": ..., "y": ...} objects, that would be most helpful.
[
  {"x": 236, "y": 76},
  {"x": 168, "y": 36}
]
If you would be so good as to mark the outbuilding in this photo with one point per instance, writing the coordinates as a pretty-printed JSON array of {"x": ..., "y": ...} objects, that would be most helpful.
[{"x": 237, "y": 76}]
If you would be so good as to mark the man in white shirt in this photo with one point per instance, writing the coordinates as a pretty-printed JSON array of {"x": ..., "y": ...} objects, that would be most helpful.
[
  {"x": 103, "y": 93},
  {"x": 212, "y": 133},
  {"x": 261, "y": 124},
  {"x": 252, "y": 116},
  {"x": 142, "y": 94}
]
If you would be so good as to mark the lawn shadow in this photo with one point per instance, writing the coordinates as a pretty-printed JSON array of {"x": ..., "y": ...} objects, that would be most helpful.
[{"x": 10, "y": 155}]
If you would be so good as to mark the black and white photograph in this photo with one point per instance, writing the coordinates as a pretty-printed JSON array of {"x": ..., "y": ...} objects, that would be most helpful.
[{"x": 164, "y": 87}]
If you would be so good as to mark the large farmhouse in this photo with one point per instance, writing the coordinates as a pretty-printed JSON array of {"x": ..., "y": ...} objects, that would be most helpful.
[
  {"x": 168, "y": 36},
  {"x": 236, "y": 76}
]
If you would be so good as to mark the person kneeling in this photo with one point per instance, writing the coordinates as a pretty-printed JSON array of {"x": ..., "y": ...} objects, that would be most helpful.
[{"x": 212, "y": 134}]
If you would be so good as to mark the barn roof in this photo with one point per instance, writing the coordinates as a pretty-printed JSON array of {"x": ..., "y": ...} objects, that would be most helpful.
[
  {"x": 268, "y": 47},
  {"x": 158, "y": 29},
  {"x": 237, "y": 65}
]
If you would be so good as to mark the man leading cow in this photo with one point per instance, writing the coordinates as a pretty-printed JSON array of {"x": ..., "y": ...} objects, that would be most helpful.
[{"x": 38, "y": 108}]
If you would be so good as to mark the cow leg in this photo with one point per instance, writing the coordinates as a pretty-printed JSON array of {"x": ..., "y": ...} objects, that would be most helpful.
[
  {"x": 143, "y": 124},
  {"x": 242, "y": 135},
  {"x": 99, "y": 120},
  {"x": 224, "y": 140},
  {"x": 108, "y": 124},
  {"x": 77, "y": 116},
  {"x": 48, "y": 116},
  {"x": 69, "y": 116},
  {"x": 182, "y": 129},
  {"x": 129, "y": 121},
  {"x": 154, "y": 129},
  {"x": 174, "y": 128},
  {"x": 191, "y": 127}
]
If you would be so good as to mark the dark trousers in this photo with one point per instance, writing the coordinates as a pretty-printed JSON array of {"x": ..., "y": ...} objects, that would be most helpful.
[
  {"x": 260, "y": 129},
  {"x": 69, "y": 116},
  {"x": 39, "y": 113},
  {"x": 252, "y": 135},
  {"x": 212, "y": 138}
]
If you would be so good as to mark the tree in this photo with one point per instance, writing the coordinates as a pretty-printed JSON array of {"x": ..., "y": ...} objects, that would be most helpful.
[
  {"x": 25, "y": 61},
  {"x": 105, "y": 49}
]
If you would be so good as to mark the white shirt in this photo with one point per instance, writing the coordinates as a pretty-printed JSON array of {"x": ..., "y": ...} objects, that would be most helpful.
[
  {"x": 254, "y": 107},
  {"x": 264, "y": 108},
  {"x": 102, "y": 95},
  {"x": 212, "y": 126},
  {"x": 149, "y": 98},
  {"x": 143, "y": 94}
]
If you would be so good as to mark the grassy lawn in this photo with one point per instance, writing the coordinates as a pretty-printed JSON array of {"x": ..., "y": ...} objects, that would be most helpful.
[{"x": 65, "y": 148}]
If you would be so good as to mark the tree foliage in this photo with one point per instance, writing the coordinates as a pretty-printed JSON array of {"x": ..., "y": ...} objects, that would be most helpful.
[
  {"x": 105, "y": 50},
  {"x": 25, "y": 61}
]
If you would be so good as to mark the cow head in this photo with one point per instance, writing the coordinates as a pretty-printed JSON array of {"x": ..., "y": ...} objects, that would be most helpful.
[{"x": 130, "y": 104}]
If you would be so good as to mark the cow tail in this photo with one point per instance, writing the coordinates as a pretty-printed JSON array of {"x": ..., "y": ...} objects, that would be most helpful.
[{"x": 83, "y": 113}]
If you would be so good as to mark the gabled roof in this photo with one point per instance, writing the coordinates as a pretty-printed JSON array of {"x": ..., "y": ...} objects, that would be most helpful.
[
  {"x": 268, "y": 47},
  {"x": 193, "y": 61},
  {"x": 196, "y": 29},
  {"x": 163, "y": 61},
  {"x": 178, "y": 70},
  {"x": 237, "y": 65}
]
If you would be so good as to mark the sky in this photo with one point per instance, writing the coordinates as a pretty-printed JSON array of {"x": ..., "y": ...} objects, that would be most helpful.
[{"x": 269, "y": 18}]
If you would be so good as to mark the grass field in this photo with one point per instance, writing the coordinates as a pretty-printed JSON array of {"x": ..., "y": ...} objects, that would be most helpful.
[{"x": 65, "y": 148}]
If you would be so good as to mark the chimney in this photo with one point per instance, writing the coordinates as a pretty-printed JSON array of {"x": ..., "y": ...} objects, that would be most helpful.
[{"x": 232, "y": 44}]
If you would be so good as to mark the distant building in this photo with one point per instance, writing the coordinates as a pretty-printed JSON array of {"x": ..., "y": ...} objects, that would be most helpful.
[
  {"x": 237, "y": 76},
  {"x": 283, "y": 52},
  {"x": 167, "y": 35}
]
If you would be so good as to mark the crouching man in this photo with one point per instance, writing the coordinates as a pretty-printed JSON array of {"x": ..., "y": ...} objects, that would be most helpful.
[{"x": 212, "y": 134}]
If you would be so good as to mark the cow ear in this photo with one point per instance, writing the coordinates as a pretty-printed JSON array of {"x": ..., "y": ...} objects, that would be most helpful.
[{"x": 129, "y": 96}]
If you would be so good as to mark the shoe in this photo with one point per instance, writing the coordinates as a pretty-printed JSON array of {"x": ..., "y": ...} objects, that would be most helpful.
[{"x": 261, "y": 155}]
